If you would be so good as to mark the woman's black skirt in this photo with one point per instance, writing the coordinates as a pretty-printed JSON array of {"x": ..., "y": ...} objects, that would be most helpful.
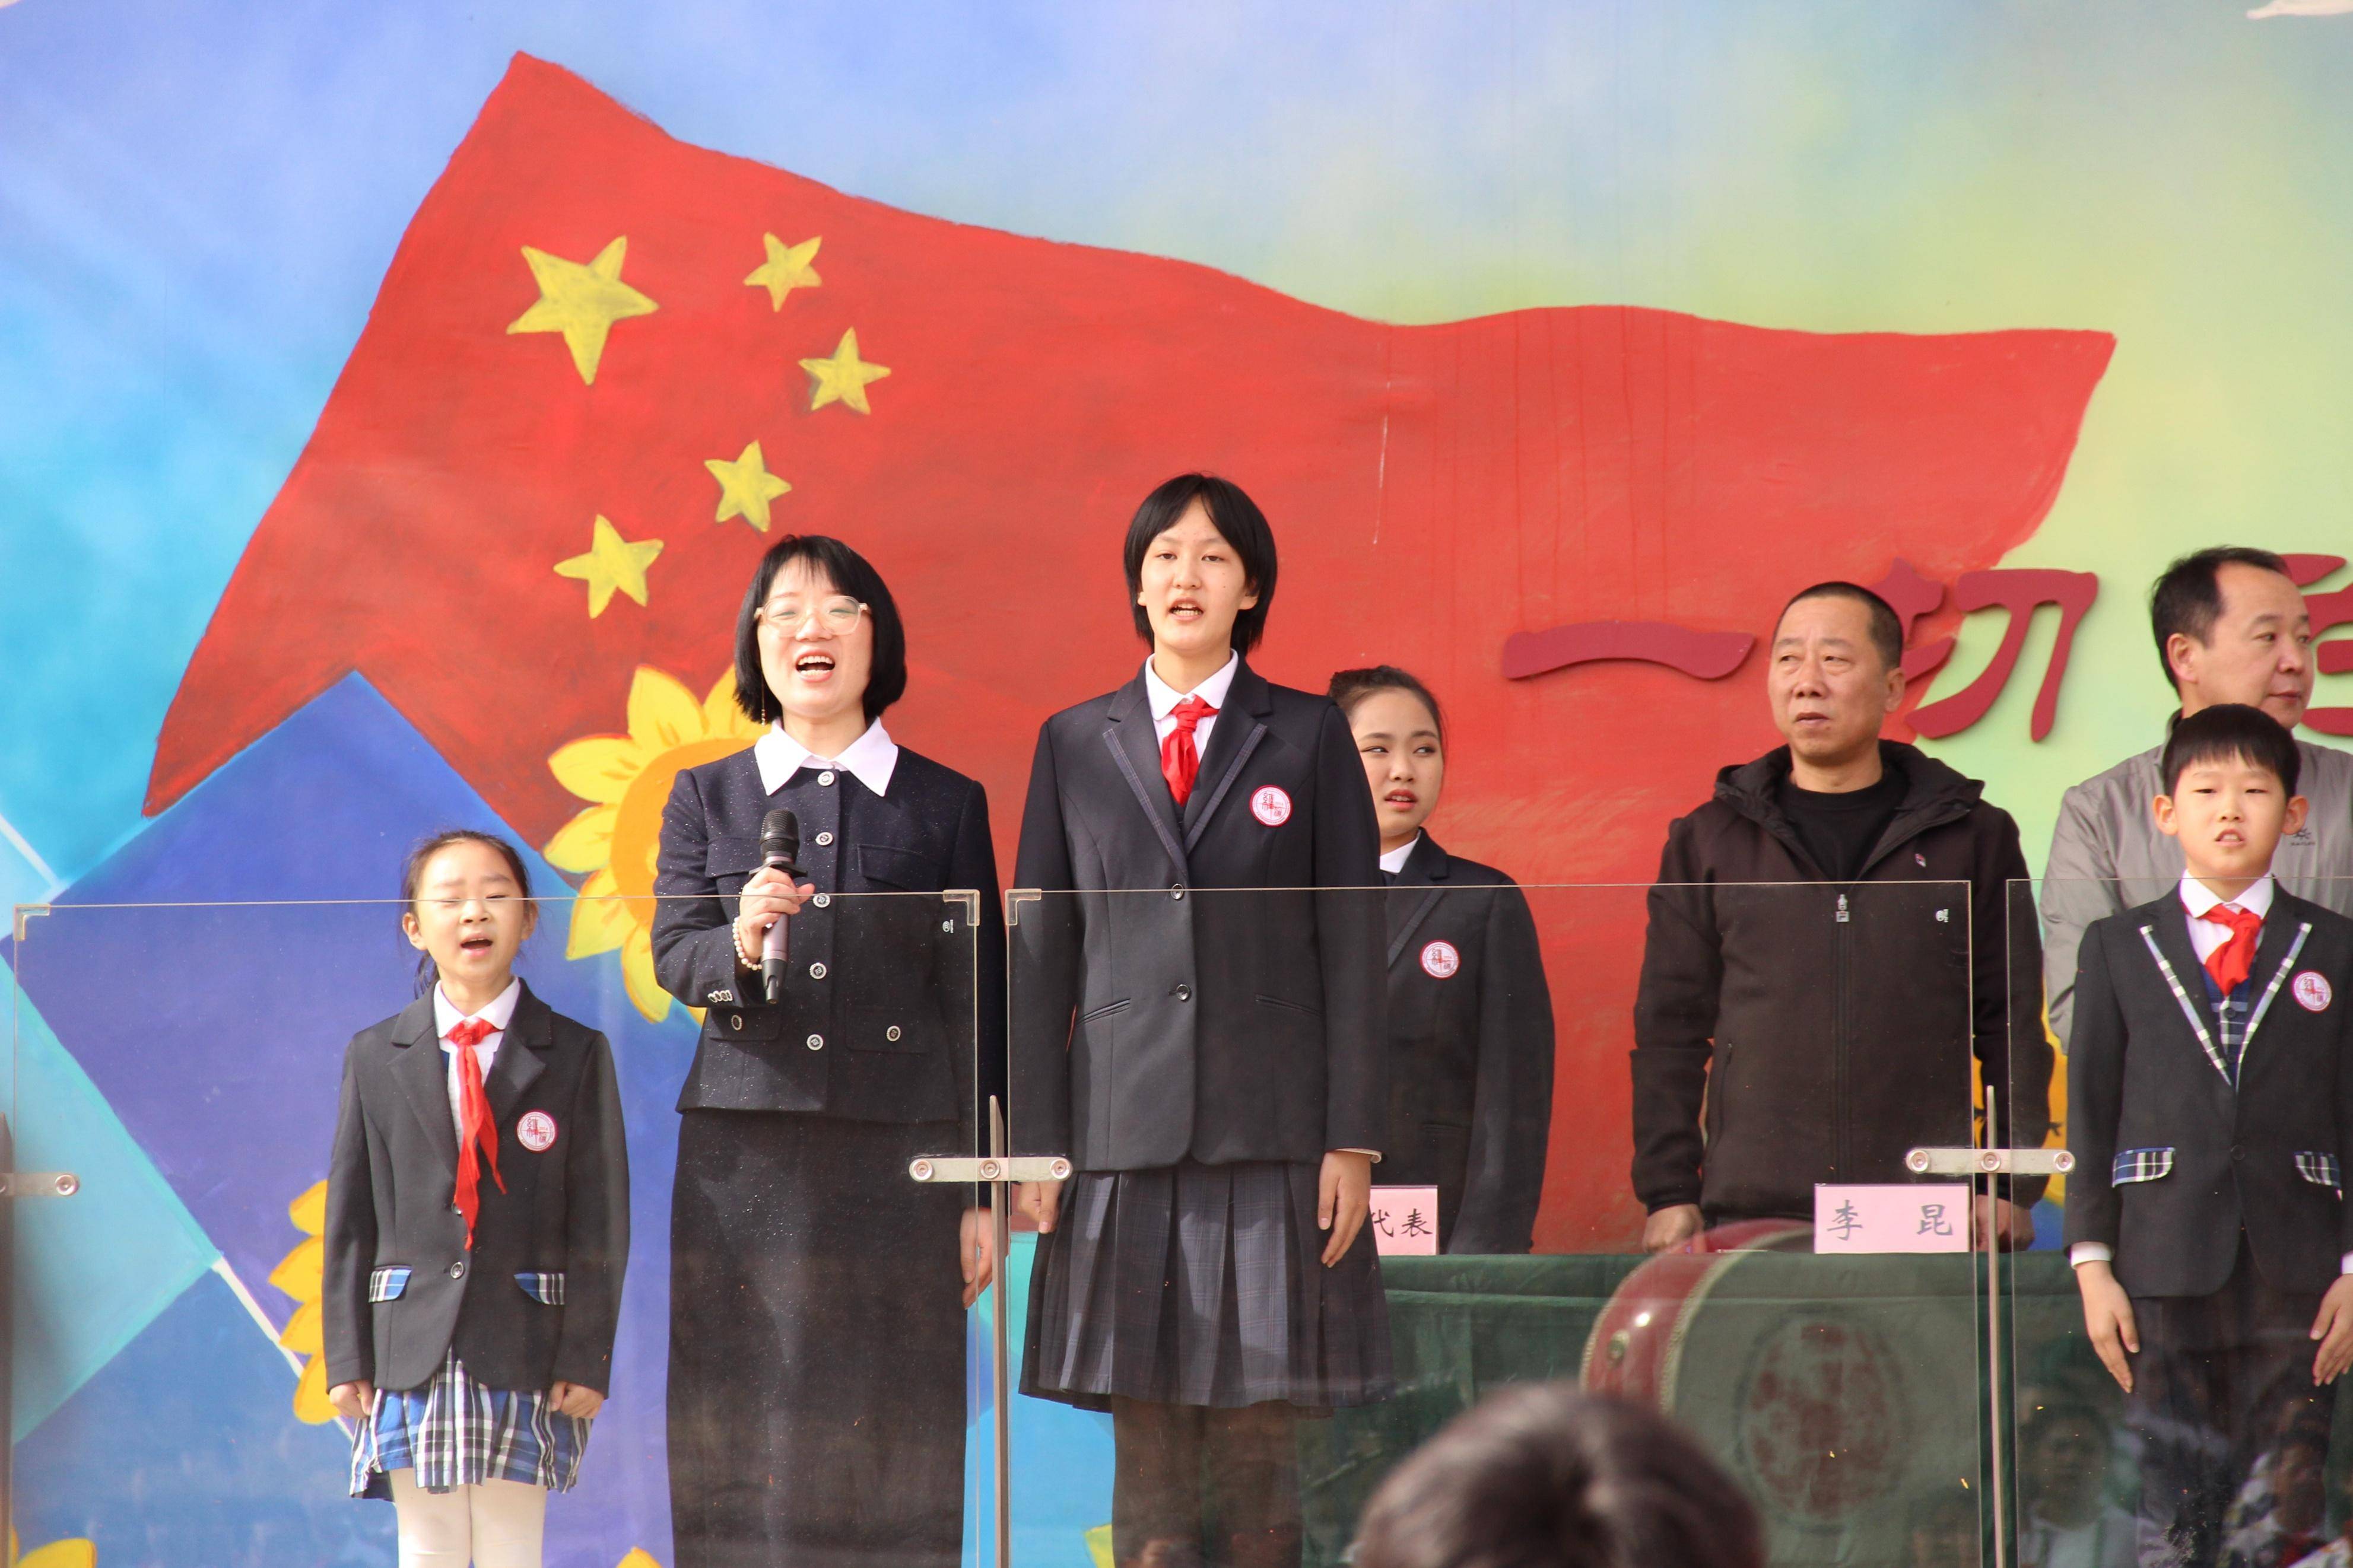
[
  {"x": 817, "y": 1346},
  {"x": 1196, "y": 1284}
]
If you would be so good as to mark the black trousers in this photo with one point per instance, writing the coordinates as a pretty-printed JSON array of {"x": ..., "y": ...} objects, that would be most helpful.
[
  {"x": 1195, "y": 1486},
  {"x": 2222, "y": 1389}
]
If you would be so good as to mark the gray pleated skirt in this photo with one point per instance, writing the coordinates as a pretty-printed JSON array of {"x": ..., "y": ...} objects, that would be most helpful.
[{"x": 1195, "y": 1284}]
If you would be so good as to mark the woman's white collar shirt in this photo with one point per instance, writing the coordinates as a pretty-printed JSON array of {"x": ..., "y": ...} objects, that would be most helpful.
[{"x": 871, "y": 759}]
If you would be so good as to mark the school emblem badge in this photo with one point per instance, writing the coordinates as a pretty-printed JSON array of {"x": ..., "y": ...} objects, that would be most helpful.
[
  {"x": 1271, "y": 806},
  {"x": 2311, "y": 988},
  {"x": 536, "y": 1131},
  {"x": 1439, "y": 961}
]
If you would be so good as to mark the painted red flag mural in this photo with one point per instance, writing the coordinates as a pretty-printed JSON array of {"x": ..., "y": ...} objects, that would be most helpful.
[{"x": 606, "y": 369}]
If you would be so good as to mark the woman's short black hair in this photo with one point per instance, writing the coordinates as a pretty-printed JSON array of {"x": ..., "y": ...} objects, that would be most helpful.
[
  {"x": 1545, "y": 1473},
  {"x": 1350, "y": 687},
  {"x": 2231, "y": 731},
  {"x": 1236, "y": 518},
  {"x": 851, "y": 573}
]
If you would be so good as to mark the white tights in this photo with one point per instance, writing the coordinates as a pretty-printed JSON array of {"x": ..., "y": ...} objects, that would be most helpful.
[{"x": 493, "y": 1524}]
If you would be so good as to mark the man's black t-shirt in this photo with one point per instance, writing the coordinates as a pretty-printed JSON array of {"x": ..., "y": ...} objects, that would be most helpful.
[{"x": 1840, "y": 831}]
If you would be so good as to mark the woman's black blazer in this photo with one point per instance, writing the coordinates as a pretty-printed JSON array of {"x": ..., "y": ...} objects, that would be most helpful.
[{"x": 888, "y": 997}]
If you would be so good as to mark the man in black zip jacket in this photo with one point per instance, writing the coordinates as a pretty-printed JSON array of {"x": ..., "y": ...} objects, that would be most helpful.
[{"x": 1831, "y": 938}]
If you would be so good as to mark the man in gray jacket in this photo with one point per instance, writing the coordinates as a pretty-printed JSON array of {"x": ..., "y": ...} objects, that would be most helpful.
[{"x": 2230, "y": 626}]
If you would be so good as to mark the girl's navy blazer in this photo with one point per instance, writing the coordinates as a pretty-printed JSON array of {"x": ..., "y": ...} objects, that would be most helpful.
[
  {"x": 1471, "y": 1049},
  {"x": 889, "y": 999},
  {"x": 534, "y": 1301}
]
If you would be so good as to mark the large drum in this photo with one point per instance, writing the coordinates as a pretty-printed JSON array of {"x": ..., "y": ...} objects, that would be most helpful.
[{"x": 1841, "y": 1391}]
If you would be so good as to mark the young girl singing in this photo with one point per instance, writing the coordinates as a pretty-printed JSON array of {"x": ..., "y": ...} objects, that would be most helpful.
[
  {"x": 1196, "y": 1024},
  {"x": 477, "y": 1224}
]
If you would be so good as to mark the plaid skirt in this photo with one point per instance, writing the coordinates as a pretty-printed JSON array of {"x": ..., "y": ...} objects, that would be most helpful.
[
  {"x": 454, "y": 1432},
  {"x": 1196, "y": 1284}
]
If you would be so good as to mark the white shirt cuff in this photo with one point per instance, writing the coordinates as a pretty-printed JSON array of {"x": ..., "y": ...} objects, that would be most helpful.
[
  {"x": 2084, "y": 1252},
  {"x": 1374, "y": 1153}
]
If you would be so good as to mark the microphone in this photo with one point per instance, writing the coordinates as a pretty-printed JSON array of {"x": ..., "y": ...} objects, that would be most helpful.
[{"x": 780, "y": 846}]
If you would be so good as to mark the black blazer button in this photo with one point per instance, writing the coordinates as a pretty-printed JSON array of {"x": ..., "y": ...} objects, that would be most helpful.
[
  {"x": 458, "y": 1269},
  {"x": 735, "y": 1022},
  {"x": 1183, "y": 992},
  {"x": 2237, "y": 1153},
  {"x": 816, "y": 1042},
  {"x": 891, "y": 1032},
  {"x": 1178, "y": 891}
]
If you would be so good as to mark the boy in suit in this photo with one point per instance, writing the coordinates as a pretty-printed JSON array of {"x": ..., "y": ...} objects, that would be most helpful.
[{"x": 2210, "y": 1112}]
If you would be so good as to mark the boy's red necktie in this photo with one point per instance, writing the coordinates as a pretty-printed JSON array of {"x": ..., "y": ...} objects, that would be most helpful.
[
  {"x": 475, "y": 1126},
  {"x": 1180, "y": 759},
  {"x": 2232, "y": 963}
]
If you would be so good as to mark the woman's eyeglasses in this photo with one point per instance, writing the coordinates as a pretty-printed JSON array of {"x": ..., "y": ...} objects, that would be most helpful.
[{"x": 835, "y": 614}]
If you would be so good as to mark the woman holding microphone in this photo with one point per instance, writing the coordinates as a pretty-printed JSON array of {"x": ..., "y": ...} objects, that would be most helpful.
[
  {"x": 1196, "y": 1024},
  {"x": 816, "y": 1362}
]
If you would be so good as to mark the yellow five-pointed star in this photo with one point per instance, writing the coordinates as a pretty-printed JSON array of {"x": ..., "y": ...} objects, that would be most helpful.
[
  {"x": 612, "y": 561},
  {"x": 745, "y": 487},
  {"x": 786, "y": 268},
  {"x": 842, "y": 378},
  {"x": 581, "y": 302}
]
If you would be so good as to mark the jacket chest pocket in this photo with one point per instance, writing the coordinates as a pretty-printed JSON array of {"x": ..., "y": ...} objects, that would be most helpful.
[
  {"x": 905, "y": 870},
  {"x": 730, "y": 862}
]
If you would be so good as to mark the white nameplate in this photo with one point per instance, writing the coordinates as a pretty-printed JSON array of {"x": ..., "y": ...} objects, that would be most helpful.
[
  {"x": 1910, "y": 1217},
  {"x": 1404, "y": 1221}
]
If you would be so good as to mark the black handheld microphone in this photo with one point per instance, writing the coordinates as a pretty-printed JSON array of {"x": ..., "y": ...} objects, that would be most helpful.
[{"x": 780, "y": 846}]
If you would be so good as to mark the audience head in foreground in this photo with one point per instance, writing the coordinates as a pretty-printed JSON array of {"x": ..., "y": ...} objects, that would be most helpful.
[{"x": 1547, "y": 1476}]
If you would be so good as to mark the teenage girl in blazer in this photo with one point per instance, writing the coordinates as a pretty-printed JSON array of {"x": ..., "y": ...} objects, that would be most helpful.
[
  {"x": 1469, "y": 1013},
  {"x": 477, "y": 1225},
  {"x": 1206, "y": 1048},
  {"x": 817, "y": 1351}
]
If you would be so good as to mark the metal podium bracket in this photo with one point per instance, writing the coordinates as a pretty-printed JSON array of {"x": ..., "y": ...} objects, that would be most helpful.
[
  {"x": 969, "y": 898},
  {"x": 38, "y": 1183},
  {"x": 1018, "y": 1168},
  {"x": 996, "y": 1171},
  {"x": 1017, "y": 897},
  {"x": 1989, "y": 1161},
  {"x": 26, "y": 914}
]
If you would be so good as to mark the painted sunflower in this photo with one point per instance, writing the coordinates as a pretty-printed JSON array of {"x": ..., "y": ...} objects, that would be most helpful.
[
  {"x": 626, "y": 779},
  {"x": 303, "y": 1274}
]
